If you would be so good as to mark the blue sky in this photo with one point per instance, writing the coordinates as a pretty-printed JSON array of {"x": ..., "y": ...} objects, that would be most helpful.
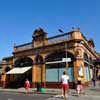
[{"x": 19, "y": 18}]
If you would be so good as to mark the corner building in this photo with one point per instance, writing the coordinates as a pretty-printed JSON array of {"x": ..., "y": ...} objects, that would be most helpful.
[{"x": 44, "y": 59}]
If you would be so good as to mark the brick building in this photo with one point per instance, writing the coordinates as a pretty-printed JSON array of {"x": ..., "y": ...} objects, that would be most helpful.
[{"x": 41, "y": 61}]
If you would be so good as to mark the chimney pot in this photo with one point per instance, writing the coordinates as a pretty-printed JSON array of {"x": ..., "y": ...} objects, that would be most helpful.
[
  {"x": 78, "y": 29},
  {"x": 72, "y": 28}
]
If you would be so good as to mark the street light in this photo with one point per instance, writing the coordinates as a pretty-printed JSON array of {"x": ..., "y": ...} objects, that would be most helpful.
[{"x": 65, "y": 49}]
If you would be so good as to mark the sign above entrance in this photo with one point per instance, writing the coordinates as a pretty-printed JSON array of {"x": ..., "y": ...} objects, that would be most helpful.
[
  {"x": 63, "y": 60},
  {"x": 54, "y": 62},
  {"x": 66, "y": 59}
]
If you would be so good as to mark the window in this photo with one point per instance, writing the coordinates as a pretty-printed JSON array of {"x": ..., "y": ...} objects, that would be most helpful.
[{"x": 55, "y": 71}]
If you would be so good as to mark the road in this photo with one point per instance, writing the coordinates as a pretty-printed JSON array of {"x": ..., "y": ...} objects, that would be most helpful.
[
  {"x": 22, "y": 96},
  {"x": 83, "y": 97}
]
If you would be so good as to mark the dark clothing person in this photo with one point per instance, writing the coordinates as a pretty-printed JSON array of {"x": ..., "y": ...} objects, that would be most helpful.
[
  {"x": 94, "y": 82},
  {"x": 79, "y": 82}
]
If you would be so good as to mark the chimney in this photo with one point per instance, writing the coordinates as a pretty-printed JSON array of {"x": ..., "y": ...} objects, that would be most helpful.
[
  {"x": 78, "y": 29},
  {"x": 72, "y": 28}
]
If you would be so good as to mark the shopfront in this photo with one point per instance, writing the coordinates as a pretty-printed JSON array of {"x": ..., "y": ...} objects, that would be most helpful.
[
  {"x": 21, "y": 71},
  {"x": 55, "y": 67}
]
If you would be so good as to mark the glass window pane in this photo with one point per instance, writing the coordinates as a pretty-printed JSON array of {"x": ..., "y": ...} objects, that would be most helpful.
[
  {"x": 61, "y": 70},
  {"x": 52, "y": 75},
  {"x": 86, "y": 73},
  {"x": 71, "y": 74},
  {"x": 91, "y": 73}
]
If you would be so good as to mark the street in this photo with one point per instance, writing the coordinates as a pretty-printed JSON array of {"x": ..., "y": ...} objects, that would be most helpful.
[
  {"x": 77, "y": 98},
  {"x": 23, "y": 96},
  {"x": 90, "y": 93}
]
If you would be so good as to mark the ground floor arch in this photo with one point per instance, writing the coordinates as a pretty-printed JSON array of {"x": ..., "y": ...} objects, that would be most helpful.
[
  {"x": 22, "y": 70},
  {"x": 55, "y": 67},
  {"x": 7, "y": 69}
]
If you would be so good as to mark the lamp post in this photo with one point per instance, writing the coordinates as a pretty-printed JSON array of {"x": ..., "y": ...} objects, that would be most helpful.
[
  {"x": 65, "y": 50},
  {"x": 66, "y": 55}
]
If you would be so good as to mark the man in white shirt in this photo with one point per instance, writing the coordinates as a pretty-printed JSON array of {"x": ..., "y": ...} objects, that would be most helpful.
[{"x": 65, "y": 86}]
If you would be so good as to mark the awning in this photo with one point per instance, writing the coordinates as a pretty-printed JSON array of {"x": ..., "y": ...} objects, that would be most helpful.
[{"x": 18, "y": 70}]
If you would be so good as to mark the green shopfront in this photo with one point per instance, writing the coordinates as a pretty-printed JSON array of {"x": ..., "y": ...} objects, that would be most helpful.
[{"x": 55, "y": 67}]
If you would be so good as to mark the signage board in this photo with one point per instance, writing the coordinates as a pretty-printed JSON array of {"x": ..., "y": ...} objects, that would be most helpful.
[{"x": 66, "y": 59}]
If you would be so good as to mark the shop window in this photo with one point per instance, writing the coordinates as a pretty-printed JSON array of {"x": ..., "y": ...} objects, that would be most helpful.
[
  {"x": 86, "y": 72},
  {"x": 91, "y": 73},
  {"x": 71, "y": 74},
  {"x": 51, "y": 74},
  {"x": 55, "y": 71},
  {"x": 86, "y": 57}
]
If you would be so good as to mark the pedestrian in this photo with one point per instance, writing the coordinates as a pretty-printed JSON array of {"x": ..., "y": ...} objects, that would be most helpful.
[
  {"x": 94, "y": 81},
  {"x": 27, "y": 86},
  {"x": 65, "y": 86},
  {"x": 3, "y": 80},
  {"x": 79, "y": 85}
]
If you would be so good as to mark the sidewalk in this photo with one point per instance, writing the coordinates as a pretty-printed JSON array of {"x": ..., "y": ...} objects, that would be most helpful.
[{"x": 87, "y": 91}]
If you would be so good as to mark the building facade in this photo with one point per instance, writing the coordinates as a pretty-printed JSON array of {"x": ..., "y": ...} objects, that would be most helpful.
[{"x": 44, "y": 59}]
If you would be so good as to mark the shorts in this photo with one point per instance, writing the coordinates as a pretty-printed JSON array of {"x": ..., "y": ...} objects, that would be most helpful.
[
  {"x": 79, "y": 87},
  {"x": 65, "y": 87}
]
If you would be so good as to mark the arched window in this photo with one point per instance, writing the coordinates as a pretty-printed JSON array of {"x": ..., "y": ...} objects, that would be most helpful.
[
  {"x": 86, "y": 57},
  {"x": 90, "y": 60},
  {"x": 7, "y": 69},
  {"x": 57, "y": 56},
  {"x": 55, "y": 67},
  {"x": 24, "y": 62}
]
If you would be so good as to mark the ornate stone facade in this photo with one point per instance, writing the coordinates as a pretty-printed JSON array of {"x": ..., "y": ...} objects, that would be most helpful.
[{"x": 45, "y": 55}]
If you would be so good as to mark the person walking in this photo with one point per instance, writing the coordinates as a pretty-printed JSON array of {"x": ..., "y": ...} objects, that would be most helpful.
[
  {"x": 3, "y": 80},
  {"x": 65, "y": 86},
  {"x": 94, "y": 81},
  {"x": 79, "y": 85},
  {"x": 27, "y": 86}
]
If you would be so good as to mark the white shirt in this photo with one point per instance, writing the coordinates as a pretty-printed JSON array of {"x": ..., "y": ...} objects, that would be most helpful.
[{"x": 65, "y": 79}]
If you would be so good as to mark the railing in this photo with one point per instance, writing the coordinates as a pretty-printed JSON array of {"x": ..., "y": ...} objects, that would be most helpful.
[
  {"x": 59, "y": 38},
  {"x": 23, "y": 46},
  {"x": 51, "y": 40}
]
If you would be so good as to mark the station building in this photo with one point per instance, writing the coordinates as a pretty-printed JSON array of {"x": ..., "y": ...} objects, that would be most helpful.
[{"x": 44, "y": 59}]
